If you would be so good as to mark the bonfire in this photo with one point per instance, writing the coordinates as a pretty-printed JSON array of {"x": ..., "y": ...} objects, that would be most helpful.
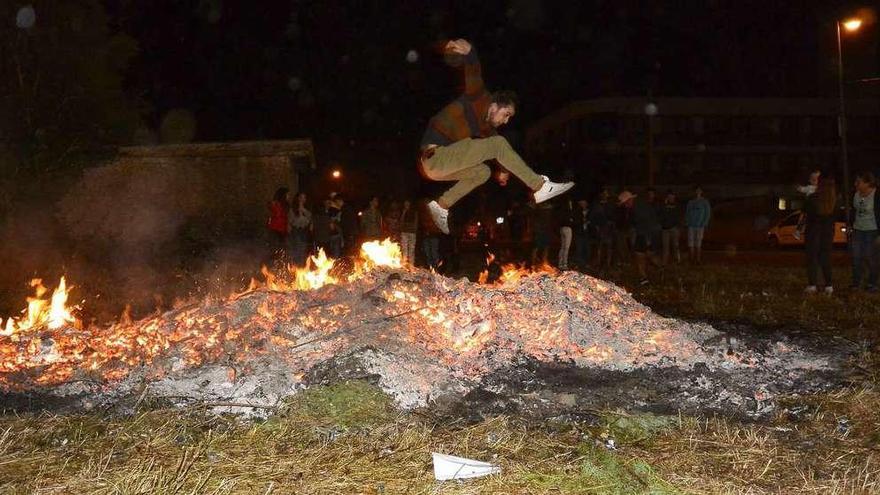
[{"x": 421, "y": 336}]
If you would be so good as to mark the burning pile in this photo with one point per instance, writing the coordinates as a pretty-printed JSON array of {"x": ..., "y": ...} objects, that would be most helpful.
[{"x": 422, "y": 336}]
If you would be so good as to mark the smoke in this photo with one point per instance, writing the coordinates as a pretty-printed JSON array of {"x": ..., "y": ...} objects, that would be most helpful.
[
  {"x": 139, "y": 237},
  {"x": 145, "y": 230},
  {"x": 115, "y": 232},
  {"x": 127, "y": 207},
  {"x": 28, "y": 249}
]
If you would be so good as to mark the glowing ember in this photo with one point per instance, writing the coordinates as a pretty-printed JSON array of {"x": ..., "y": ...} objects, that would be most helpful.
[{"x": 423, "y": 332}]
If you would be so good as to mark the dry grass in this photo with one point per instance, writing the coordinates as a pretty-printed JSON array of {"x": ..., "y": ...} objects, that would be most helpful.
[
  {"x": 813, "y": 455},
  {"x": 763, "y": 296},
  {"x": 302, "y": 451},
  {"x": 366, "y": 447},
  {"x": 348, "y": 438}
]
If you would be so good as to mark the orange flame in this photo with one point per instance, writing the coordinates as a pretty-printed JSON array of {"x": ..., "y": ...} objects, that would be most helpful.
[
  {"x": 382, "y": 253},
  {"x": 483, "y": 277},
  {"x": 512, "y": 273},
  {"x": 52, "y": 313},
  {"x": 456, "y": 328},
  {"x": 316, "y": 273}
]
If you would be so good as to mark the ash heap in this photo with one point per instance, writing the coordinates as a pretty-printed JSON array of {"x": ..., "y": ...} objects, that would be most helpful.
[{"x": 519, "y": 343}]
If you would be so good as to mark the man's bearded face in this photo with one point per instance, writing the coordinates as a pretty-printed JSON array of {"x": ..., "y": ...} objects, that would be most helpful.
[{"x": 498, "y": 115}]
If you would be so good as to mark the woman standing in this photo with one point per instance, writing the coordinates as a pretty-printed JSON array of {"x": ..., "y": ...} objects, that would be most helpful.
[
  {"x": 300, "y": 222},
  {"x": 819, "y": 233},
  {"x": 278, "y": 209}
]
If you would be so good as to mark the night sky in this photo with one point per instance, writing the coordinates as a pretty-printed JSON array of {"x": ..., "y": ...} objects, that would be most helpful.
[{"x": 337, "y": 70}]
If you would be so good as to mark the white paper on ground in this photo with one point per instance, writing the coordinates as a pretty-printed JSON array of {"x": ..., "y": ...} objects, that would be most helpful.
[{"x": 449, "y": 467}]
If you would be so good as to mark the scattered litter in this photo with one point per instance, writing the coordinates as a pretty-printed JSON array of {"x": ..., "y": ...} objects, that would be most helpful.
[
  {"x": 797, "y": 413},
  {"x": 450, "y": 467}
]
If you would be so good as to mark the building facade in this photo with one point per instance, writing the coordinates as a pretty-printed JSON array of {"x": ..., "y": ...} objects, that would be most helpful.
[
  {"x": 734, "y": 147},
  {"x": 154, "y": 196}
]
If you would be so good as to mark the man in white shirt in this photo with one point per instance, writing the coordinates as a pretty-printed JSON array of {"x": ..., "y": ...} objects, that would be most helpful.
[{"x": 865, "y": 228}]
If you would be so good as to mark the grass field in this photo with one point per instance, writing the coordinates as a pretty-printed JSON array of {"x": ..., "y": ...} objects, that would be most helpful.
[{"x": 348, "y": 439}]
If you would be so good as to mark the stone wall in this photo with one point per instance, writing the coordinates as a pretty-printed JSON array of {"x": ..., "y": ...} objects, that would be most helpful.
[{"x": 150, "y": 196}]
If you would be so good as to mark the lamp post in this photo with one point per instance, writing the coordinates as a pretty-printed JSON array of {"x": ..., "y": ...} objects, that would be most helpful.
[
  {"x": 850, "y": 25},
  {"x": 651, "y": 111}
]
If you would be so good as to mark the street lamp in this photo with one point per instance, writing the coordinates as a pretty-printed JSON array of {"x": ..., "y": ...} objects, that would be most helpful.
[
  {"x": 850, "y": 25},
  {"x": 336, "y": 174}
]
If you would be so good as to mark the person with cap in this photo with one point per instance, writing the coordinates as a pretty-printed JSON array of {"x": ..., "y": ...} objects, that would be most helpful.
[{"x": 463, "y": 136}]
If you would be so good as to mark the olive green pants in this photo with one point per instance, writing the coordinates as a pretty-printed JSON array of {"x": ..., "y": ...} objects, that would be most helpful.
[{"x": 462, "y": 161}]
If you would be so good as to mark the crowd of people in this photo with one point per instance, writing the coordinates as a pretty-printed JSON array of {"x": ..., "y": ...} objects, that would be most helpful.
[
  {"x": 642, "y": 229},
  {"x": 298, "y": 228},
  {"x": 639, "y": 228},
  {"x": 818, "y": 228},
  {"x": 616, "y": 230}
]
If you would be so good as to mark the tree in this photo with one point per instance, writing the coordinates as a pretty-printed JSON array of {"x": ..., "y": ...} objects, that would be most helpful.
[{"x": 61, "y": 93}]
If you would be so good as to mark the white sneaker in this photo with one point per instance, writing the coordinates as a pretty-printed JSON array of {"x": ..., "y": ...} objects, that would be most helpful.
[
  {"x": 829, "y": 290},
  {"x": 551, "y": 189},
  {"x": 440, "y": 216},
  {"x": 811, "y": 289}
]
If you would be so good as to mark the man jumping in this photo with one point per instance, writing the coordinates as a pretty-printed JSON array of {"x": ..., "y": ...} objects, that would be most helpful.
[{"x": 462, "y": 136}]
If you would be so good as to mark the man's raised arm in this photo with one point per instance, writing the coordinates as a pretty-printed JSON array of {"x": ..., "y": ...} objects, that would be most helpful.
[{"x": 473, "y": 75}]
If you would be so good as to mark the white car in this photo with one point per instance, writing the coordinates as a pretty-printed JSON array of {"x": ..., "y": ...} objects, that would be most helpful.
[{"x": 790, "y": 231}]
